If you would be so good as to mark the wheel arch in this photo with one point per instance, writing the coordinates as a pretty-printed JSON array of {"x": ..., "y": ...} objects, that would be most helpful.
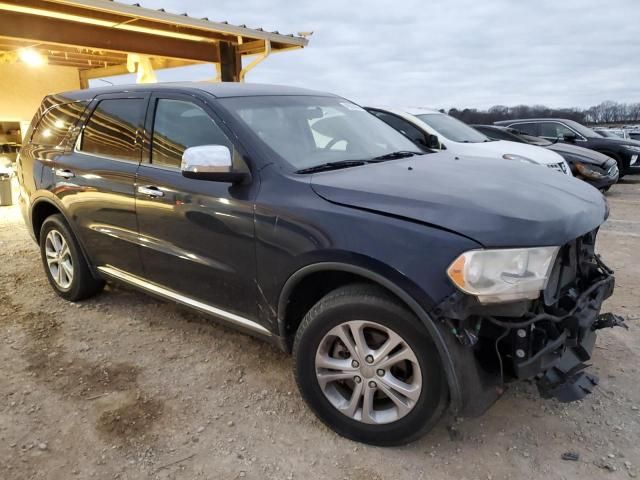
[
  {"x": 43, "y": 208},
  {"x": 622, "y": 167},
  {"x": 354, "y": 272}
]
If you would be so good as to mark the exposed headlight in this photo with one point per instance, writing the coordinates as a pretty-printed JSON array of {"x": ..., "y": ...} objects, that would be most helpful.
[
  {"x": 513, "y": 156},
  {"x": 503, "y": 275},
  {"x": 633, "y": 148},
  {"x": 589, "y": 171}
]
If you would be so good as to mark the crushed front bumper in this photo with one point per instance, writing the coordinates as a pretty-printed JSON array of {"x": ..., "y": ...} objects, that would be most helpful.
[
  {"x": 549, "y": 340},
  {"x": 559, "y": 366}
]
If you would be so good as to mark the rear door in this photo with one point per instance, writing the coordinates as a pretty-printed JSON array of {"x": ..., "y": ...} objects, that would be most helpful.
[
  {"x": 96, "y": 181},
  {"x": 197, "y": 236},
  {"x": 46, "y": 141}
]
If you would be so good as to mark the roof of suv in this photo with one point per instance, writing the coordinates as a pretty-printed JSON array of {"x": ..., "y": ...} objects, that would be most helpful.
[
  {"x": 409, "y": 110},
  {"x": 507, "y": 122},
  {"x": 221, "y": 90}
]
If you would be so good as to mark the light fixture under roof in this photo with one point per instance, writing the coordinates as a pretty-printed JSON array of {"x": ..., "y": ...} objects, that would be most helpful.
[{"x": 31, "y": 57}]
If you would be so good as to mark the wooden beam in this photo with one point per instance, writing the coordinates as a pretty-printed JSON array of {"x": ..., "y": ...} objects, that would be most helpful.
[
  {"x": 84, "y": 81},
  {"x": 230, "y": 62},
  {"x": 33, "y": 28},
  {"x": 85, "y": 57},
  {"x": 251, "y": 48},
  {"x": 157, "y": 16},
  {"x": 77, "y": 10},
  {"x": 111, "y": 71}
]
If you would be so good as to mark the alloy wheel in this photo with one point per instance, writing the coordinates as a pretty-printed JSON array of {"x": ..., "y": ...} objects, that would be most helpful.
[
  {"x": 59, "y": 259},
  {"x": 368, "y": 372}
]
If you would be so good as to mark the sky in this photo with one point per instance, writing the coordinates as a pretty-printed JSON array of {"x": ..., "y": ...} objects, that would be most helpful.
[{"x": 443, "y": 53}]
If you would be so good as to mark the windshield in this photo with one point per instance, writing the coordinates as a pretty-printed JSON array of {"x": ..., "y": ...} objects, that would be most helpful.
[
  {"x": 452, "y": 128},
  {"x": 308, "y": 131},
  {"x": 582, "y": 130},
  {"x": 607, "y": 134}
]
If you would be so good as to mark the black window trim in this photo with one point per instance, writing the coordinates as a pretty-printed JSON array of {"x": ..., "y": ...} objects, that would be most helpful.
[
  {"x": 579, "y": 137},
  {"x": 88, "y": 113},
  {"x": 399, "y": 117}
]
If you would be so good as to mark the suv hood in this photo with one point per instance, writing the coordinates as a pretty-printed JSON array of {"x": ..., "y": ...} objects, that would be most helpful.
[
  {"x": 593, "y": 156},
  {"x": 494, "y": 202},
  {"x": 618, "y": 141}
]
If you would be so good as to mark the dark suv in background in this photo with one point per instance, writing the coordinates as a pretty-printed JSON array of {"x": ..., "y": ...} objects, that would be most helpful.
[
  {"x": 404, "y": 283},
  {"x": 593, "y": 167},
  {"x": 625, "y": 152}
]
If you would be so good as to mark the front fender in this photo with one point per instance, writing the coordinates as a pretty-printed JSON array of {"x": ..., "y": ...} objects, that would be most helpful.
[{"x": 437, "y": 331}]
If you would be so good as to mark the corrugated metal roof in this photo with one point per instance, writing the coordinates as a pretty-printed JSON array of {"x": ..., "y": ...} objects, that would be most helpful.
[{"x": 161, "y": 15}]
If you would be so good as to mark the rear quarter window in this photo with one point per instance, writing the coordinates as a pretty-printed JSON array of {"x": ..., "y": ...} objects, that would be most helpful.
[{"x": 56, "y": 123}]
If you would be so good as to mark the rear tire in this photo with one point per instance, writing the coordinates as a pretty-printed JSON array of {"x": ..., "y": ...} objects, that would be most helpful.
[
  {"x": 321, "y": 356},
  {"x": 64, "y": 263}
]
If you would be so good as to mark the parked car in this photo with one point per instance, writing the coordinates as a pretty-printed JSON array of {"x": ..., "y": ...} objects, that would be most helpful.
[
  {"x": 612, "y": 132},
  {"x": 8, "y": 153},
  {"x": 438, "y": 131},
  {"x": 624, "y": 152},
  {"x": 634, "y": 135},
  {"x": 588, "y": 165},
  {"x": 404, "y": 284}
]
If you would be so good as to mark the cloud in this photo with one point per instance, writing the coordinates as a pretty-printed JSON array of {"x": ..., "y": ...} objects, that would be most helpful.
[{"x": 445, "y": 53}]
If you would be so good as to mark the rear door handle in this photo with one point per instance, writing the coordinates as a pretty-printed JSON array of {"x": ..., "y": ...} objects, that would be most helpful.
[
  {"x": 151, "y": 191},
  {"x": 65, "y": 173}
]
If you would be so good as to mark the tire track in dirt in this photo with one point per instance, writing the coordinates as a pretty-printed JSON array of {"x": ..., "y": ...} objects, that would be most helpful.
[{"x": 124, "y": 412}]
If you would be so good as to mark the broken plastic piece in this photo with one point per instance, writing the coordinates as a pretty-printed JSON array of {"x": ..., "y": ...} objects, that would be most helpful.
[{"x": 609, "y": 320}]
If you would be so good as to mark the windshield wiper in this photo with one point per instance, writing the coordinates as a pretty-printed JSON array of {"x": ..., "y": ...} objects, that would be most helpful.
[
  {"x": 323, "y": 167},
  {"x": 398, "y": 154}
]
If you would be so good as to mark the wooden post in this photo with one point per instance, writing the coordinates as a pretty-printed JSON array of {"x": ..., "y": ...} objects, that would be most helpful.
[
  {"x": 84, "y": 79},
  {"x": 230, "y": 62}
]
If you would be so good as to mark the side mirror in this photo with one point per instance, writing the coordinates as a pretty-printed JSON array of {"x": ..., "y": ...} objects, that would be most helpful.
[
  {"x": 432, "y": 141},
  {"x": 210, "y": 162},
  {"x": 569, "y": 137}
]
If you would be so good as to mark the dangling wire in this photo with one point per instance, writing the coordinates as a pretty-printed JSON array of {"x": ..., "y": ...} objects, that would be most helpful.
[{"x": 504, "y": 334}]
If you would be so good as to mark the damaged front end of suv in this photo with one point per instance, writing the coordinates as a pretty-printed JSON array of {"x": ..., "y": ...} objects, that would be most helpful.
[{"x": 548, "y": 337}]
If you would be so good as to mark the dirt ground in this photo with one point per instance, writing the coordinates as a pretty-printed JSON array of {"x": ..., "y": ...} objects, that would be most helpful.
[{"x": 124, "y": 386}]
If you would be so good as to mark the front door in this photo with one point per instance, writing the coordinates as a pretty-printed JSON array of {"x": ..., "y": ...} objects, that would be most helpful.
[{"x": 197, "y": 236}]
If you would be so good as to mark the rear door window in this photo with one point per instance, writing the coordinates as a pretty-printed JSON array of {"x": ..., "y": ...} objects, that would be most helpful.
[
  {"x": 527, "y": 128},
  {"x": 113, "y": 129}
]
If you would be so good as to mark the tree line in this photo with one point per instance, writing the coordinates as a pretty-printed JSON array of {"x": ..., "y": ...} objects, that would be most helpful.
[{"x": 608, "y": 112}]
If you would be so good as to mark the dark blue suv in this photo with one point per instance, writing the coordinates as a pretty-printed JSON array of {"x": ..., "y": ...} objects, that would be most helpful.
[{"x": 405, "y": 283}]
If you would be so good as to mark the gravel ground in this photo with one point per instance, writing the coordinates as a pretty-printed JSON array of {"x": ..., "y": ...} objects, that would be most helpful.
[{"x": 126, "y": 386}]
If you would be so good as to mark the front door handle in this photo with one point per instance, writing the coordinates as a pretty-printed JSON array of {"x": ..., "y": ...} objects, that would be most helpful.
[
  {"x": 151, "y": 191},
  {"x": 65, "y": 173}
]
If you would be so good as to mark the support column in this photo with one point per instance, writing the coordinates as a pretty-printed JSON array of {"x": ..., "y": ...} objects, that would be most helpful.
[{"x": 230, "y": 62}]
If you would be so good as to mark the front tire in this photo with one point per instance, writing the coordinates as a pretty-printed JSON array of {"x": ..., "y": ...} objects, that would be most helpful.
[
  {"x": 368, "y": 368},
  {"x": 64, "y": 263}
]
